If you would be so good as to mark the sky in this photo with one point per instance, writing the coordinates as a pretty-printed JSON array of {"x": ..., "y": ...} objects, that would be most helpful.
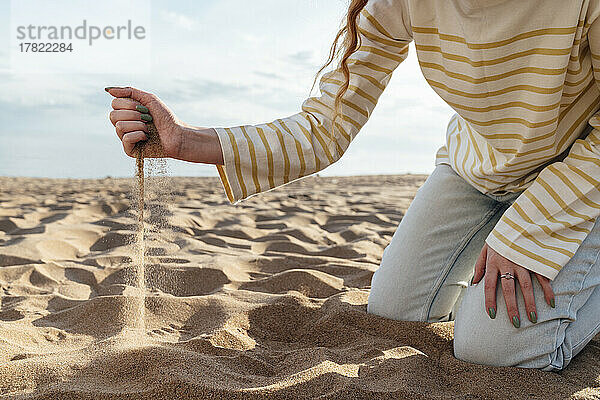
[{"x": 215, "y": 63}]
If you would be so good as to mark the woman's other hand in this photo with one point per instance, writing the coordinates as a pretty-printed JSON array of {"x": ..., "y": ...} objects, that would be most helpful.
[
  {"x": 134, "y": 108},
  {"x": 491, "y": 265}
]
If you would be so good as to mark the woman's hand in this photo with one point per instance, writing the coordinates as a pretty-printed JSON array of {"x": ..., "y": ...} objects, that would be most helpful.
[
  {"x": 491, "y": 264},
  {"x": 133, "y": 108}
]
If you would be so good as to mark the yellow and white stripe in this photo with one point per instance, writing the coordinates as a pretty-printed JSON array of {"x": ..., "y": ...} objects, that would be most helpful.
[{"x": 525, "y": 88}]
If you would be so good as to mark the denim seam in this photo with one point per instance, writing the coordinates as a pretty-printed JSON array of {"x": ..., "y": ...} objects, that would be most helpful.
[
  {"x": 592, "y": 334},
  {"x": 447, "y": 267},
  {"x": 569, "y": 312}
]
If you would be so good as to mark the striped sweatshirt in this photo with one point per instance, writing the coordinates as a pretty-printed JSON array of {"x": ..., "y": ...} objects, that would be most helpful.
[{"x": 523, "y": 78}]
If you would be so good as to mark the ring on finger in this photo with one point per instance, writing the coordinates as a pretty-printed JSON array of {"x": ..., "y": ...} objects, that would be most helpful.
[{"x": 507, "y": 275}]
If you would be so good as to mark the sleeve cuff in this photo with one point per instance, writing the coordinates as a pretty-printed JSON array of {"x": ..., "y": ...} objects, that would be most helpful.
[
  {"x": 227, "y": 171},
  {"x": 502, "y": 248}
]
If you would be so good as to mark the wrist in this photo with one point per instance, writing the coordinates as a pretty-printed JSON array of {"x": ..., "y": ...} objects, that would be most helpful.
[{"x": 199, "y": 145}]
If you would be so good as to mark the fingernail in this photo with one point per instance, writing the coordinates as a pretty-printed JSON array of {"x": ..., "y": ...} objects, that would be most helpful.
[
  {"x": 471, "y": 283},
  {"x": 516, "y": 322},
  {"x": 492, "y": 312},
  {"x": 142, "y": 109},
  {"x": 552, "y": 304},
  {"x": 146, "y": 117},
  {"x": 533, "y": 317},
  {"x": 110, "y": 87}
]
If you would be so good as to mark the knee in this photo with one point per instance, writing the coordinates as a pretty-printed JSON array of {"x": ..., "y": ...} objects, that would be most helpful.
[
  {"x": 478, "y": 346},
  {"x": 388, "y": 303},
  {"x": 389, "y": 298},
  {"x": 495, "y": 342},
  {"x": 501, "y": 350}
]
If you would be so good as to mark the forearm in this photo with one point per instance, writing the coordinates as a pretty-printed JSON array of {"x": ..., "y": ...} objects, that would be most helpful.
[
  {"x": 200, "y": 145},
  {"x": 544, "y": 227}
]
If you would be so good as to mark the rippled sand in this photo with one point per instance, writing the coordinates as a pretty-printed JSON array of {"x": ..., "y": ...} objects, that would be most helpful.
[{"x": 266, "y": 299}]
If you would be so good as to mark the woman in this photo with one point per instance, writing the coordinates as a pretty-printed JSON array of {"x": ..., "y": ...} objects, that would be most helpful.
[{"x": 513, "y": 200}]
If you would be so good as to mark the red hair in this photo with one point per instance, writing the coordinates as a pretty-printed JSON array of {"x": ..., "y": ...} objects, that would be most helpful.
[{"x": 350, "y": 44}]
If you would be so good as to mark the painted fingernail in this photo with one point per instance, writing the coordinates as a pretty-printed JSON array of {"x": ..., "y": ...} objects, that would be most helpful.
[
  {"x": 533, "y": 317},
  {"x": 471, "y": 283},
  {"x": 492, "y": 312},
  {"x": 552, "y": 304},
  {"x": 516, "y": 322},
  {"x": 142, "y": 109},
  {"x": 146, "y": 117},
  {"x": 110, "y": 87}
]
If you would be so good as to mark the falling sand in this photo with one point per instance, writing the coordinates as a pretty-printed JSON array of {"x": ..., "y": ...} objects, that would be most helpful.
[
  {"x": 150, "y": 148},
  {"x": 139, "y": 260}
]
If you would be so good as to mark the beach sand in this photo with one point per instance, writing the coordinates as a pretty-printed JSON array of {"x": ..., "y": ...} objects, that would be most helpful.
[{"x": 266, "y": 299}]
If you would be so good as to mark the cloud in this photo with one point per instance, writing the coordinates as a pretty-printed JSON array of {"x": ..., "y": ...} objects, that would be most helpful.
[
  {"x": 187, "y": 90},
  {"x": 268, "y": 75},
  {"x": 178, "y": 19},
  {"x": 303, "y": 57}
]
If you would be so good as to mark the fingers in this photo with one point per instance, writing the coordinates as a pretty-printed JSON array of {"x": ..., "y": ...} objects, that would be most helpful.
[
  {"x": 124, "y": 115},
  {"x": 131, "y": 112},
  {"x": 510, "y": 298},
  {"x": 127, "y": 104},
  {"x": 480, "y": 265},
  {"x": 119, "y": 91},
  {"x": 136, "y": 94},
  {"x": 123, "y": 127},
  {"x": 547, "y": 289},
  {"x": 491, "y": 281},
  {"x": 130, "y": 140},
  {"x": 524, "y": 278}
]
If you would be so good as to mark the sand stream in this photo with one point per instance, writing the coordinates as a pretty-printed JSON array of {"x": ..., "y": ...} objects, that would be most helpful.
[
  {"x": 156, "y": 169},
  {"x": 140, "y": 245}
]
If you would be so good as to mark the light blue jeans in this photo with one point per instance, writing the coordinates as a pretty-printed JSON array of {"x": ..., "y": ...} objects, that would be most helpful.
[{"x": 425, "y": 270}]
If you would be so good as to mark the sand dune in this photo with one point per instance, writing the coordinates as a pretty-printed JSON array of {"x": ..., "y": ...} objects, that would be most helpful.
[{"x": 262, "y": 300}]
